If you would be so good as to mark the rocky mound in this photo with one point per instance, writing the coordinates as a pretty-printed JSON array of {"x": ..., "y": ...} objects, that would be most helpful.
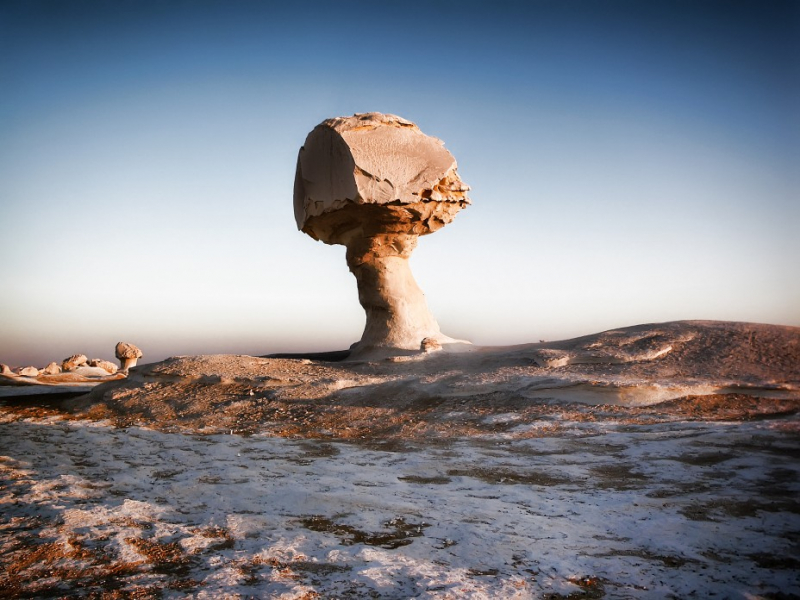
[{"x": 646, "y": 373}]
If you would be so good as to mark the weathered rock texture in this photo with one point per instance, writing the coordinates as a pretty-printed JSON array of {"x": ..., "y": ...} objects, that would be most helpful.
[
  {"x": 51, "y": 369},
  {"x": 107, "y": 366},
  {"x": 643, "y": 374},
  {"x": 375, "y": 183},
  {"x": 73, "y": 362},
  {"x": 127, "y": 354},
  {"x": 29, "y": 372}
]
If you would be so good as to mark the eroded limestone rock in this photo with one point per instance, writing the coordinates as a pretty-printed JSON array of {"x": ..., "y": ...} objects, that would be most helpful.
[
  {"x": 107, "y": 366},
  {"x": 52, "y": 369},
  {"x": 127, "y": 354},
  {"x": 6, "y": 370},
  {"x": 73, "y": 362},
  {"x": 29, "y": 372},
  {"x": 374, "y": 183}
]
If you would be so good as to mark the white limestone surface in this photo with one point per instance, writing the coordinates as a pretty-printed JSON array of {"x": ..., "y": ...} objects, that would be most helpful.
[{"x": 607, "y": 510}]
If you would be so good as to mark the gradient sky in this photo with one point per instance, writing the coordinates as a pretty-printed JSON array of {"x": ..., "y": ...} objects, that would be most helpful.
[{"x": 630, "y": 162}]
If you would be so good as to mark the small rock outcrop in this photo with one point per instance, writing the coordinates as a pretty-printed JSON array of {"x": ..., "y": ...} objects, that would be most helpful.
[
  {"x": 375, "y": 183},
  {"x": 29, "y": 372},
  {"x": 73, "y": 362},
  {"x": 106, "y": 365},
  {"x": 127, "y": 354},
  {"x": 549, "y": 358},
  {"x": 52, "y": 369},
  {"x": 6, "y": 370},
  {"x": 430, "y": 345}
]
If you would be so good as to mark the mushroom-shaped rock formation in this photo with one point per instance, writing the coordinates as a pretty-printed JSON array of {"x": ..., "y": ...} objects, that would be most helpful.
[
  {"x": 375, "y": 183},
  {"x": 73, "y": 362},
  {"x": 127, "y": 354},
  {"x": 6, "y": 370}
]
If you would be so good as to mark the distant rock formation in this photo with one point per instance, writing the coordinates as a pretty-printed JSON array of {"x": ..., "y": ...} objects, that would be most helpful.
[
  {"x": 106, "y": 365},
  {"x": 73, "y": 362},
  {"x": 51, "y": 369},
  {"x": 374, "y": 183},
  {"x": 127, "y": 354},
  {"x": 75, "y": 370}
]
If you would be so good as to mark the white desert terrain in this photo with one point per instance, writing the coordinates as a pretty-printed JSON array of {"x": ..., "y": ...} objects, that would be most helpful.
[{"x": 658, "y": 461}]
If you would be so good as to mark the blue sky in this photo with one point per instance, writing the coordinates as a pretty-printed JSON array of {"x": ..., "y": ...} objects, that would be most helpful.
[{"x": 630, "y": 162}]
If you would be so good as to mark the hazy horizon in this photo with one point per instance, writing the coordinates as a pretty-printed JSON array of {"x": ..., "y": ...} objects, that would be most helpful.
[{"x": 630, "y": 163}]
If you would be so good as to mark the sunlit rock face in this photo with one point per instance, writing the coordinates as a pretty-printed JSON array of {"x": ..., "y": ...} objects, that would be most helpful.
[
  {"x": 127, "y": 355},
  {"x": 106, "y": 365},
  {"x": 52, "y": 369},
  {"x": 374, "y": 183},
  {"x": 73, "y": 362}
]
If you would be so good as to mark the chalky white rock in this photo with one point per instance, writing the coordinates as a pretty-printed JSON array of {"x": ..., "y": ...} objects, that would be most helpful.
[{"x": 374, "y": 183}]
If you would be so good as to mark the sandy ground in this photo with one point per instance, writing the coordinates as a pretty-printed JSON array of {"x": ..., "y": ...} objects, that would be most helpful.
[{"x": 598, "y": 467}]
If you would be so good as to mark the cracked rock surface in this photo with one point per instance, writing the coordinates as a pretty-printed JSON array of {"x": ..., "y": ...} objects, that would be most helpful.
[{"x": 372, "y": 158}]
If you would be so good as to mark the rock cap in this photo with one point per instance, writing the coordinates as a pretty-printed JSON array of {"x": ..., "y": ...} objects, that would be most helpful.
[{"x": 372, "y": 158}]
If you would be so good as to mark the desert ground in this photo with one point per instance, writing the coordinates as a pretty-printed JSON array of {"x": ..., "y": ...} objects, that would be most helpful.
[{"x": 656, "y": 461}]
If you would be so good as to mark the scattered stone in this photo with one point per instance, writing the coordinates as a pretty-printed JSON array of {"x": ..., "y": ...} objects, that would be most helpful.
[
  {"x": 29, "y": 372},
  {"x": 549, "y": 358},
  {"x": 430, "y": 345},
  {"x": 73, "y": 362},
  {"x": 52, "y": 369},
  {"x": 375, "y": 183},
  {"x": 107, "y": 366},
  {"x": 127, "y": 354}
]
